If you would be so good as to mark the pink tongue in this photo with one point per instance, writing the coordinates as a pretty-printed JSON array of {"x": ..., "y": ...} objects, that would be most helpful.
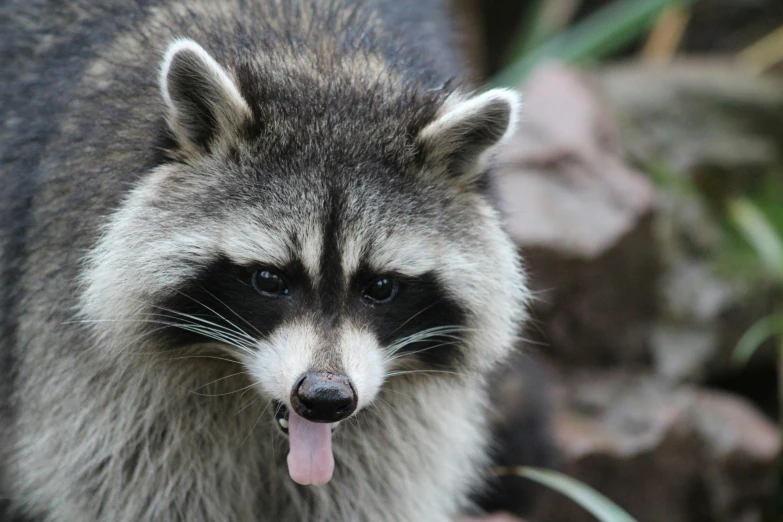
[{"x": 310, "y": 460}]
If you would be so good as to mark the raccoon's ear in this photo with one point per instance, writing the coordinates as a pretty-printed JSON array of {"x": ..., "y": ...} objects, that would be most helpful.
[
  {"x": 203, "y": 101},
  {"x": 466, "y": 133}
]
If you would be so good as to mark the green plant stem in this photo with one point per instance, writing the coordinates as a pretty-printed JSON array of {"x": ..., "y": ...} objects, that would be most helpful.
[
  {"x": 591, "y": 39},
  {"x": 780, "y": 383},
  {"x": 597, "y": 504}
]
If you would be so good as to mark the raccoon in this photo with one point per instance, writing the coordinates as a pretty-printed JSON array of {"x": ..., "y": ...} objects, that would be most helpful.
[{"x": 251, "y": 266}]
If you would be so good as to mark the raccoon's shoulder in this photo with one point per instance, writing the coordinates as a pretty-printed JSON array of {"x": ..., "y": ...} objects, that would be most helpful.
[{"x": 46, "y": 47}]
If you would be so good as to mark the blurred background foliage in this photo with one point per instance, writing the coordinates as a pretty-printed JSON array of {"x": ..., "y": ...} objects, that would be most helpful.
[{"x": 717, "y": 168}]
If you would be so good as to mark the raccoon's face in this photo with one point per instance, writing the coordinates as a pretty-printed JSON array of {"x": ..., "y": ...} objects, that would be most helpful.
[{"x": 328, "y": 237}]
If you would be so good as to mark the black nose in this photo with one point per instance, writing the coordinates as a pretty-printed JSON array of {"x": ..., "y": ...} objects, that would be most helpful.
[{"x": 323, "y": 397}]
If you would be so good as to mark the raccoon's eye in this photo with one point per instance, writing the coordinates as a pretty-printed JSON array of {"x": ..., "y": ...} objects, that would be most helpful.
[
  {"x": 381, "y": 290},
  {"x": 269, "y": 283}
]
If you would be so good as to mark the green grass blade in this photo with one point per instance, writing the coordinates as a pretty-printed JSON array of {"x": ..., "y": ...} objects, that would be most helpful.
[
  {"x": 542, "y": 19},
  {"x": 761, "y": 330},
  {"x": 760, "y": 234},
  {"x": 598, "y": 505},
  {"x": 602, "y": 33}
]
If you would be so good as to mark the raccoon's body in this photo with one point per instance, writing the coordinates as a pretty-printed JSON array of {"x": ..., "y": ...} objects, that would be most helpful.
[{"x": 223, "y": 221}]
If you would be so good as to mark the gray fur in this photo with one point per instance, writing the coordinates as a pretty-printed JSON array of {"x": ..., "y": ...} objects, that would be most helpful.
[{"x": 111, "y": 203}]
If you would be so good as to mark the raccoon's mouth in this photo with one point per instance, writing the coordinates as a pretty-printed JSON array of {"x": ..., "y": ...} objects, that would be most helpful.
[
  {"x": 281, "y": 418},
  {"x": 319, "y": 401}
]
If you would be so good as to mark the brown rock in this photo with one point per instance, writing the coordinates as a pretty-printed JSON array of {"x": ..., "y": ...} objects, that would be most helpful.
[
  {"x": 565, "y": 186},
  {"x": 663, "y": 452},
  {"x": 581, "y": 217}
]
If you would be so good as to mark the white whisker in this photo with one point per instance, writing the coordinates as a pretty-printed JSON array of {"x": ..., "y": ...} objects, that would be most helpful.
[
  {"x": 220, "y": 394},
  {"x": 406, "y": 354},
  {"x": 231, "y": 310},
  {"x": 408, "y": 372},
  {"x": 255, "y": 424},
  {"x": 220, "y": 379},
  {"x": 238, "y": 329}
]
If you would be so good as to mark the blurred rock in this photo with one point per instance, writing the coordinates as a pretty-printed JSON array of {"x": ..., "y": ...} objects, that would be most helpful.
[
  {"x": 662, "y": 452},
  {"x": 625, "y": 278},
  {"x": 581, "y": 216},
  {"x": 711, "y": 126},
  {"x": 565, "y": 185},
  {"x": 701, "y": 318},
  {"x": 624, "y": 272},
  {"x": 708, "y": 119}
]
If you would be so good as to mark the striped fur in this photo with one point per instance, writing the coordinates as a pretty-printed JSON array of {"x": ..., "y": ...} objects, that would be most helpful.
[{"x": 156, "y": 155}]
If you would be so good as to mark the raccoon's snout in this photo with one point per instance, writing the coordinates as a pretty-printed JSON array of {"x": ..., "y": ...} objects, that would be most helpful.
[{"x": 324, "y": 397}]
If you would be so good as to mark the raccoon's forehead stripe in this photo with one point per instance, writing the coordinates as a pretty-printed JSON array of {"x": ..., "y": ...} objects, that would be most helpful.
[{"x": 332, "y": 282}]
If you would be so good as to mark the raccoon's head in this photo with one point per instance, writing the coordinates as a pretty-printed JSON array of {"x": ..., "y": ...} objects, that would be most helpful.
[{"x": 327, "y": 231}]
